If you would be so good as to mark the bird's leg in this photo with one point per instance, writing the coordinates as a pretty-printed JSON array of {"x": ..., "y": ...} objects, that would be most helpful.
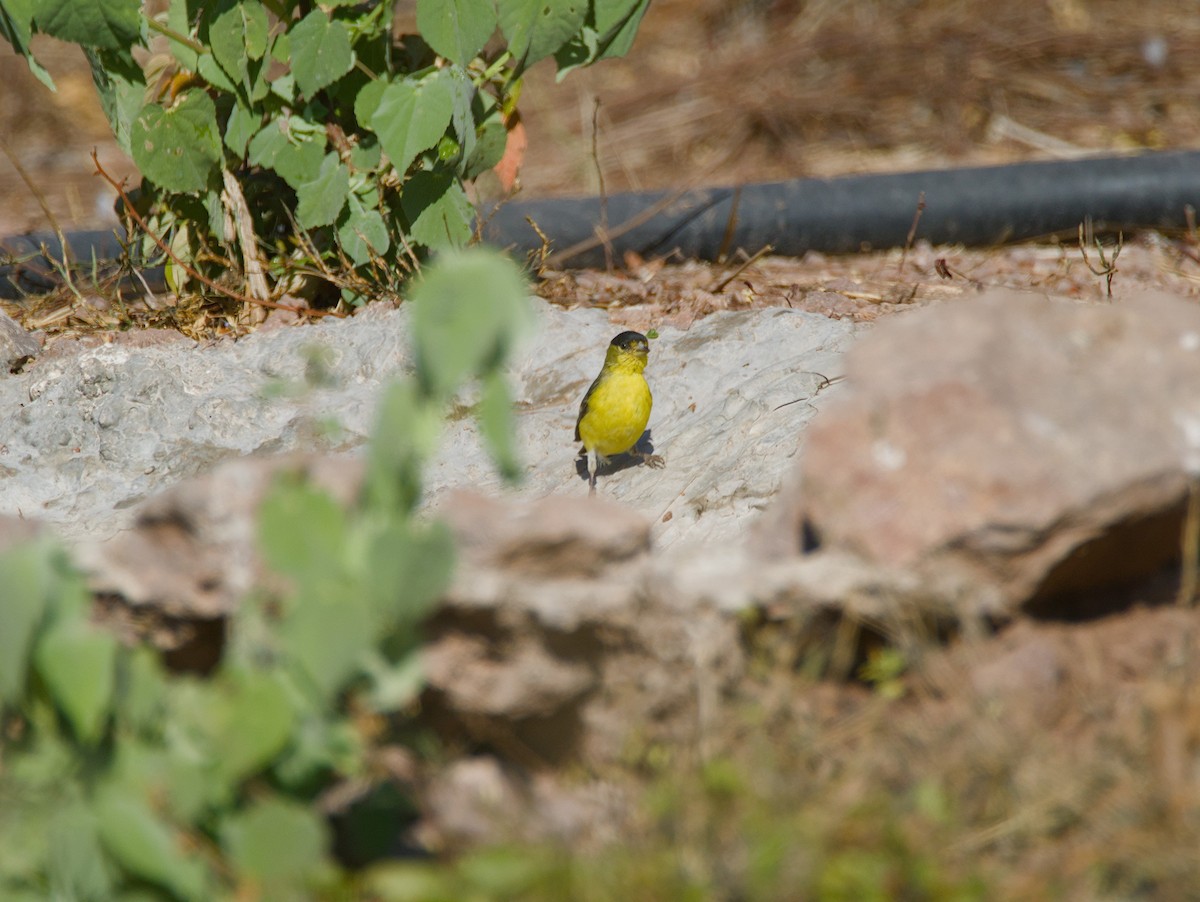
[
  {"x": 593, "y": 466},
  {"x": 653, "y": 461}
]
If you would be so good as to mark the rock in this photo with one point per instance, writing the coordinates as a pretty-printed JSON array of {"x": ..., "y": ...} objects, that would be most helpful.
[
  {"x": 1015, "y": 452},
  {"x": 16, "y": 345},
  {"x": 550, "y": 536},
  {"x": 96, "y": 432},
  {"x": 477, "y": 800},
  {"x": 15, "y": 531},
  {"x": 571, "y": 653},
  {"x": 192, "y": 552}
]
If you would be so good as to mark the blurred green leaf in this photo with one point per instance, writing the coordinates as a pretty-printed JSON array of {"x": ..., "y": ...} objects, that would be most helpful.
[
  {"x": 394, "y": 686},
  {"x": 507, "y": 873},
  {"x": 498, "y": 423},
  {"x": 276, "y": 842},
  {"x": 456, "y": 29},
  {"x": 327, "y": 633},
  {"x": 144, "y": 845},
  {"x": 410, "y": 566},
  {"x": 301, "y": 530},
  {"x": 468, "y": 310},
  {"x": 28, "y": 576},
  {"x": 77, "y": 661},
  {"x": 411, "y": 882},
  {"x": 405, "y": 435},
  {"x": 320, "y": 745},
  {"x": 141, "y": 688},
  {"x": 320, "y": 52},
  {"x": 78, "y": 866},
  {"x": 178, "y": 148},
  {"x": 252, "y": 720}
]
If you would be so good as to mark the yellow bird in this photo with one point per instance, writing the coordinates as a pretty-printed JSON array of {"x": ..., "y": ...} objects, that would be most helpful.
[{"x": 614, "y": 412}]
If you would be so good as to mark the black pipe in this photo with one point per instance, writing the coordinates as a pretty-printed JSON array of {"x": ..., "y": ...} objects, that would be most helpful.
[
  {"x": 980, "y": 206},
  {"x": 32, "y": 264}
]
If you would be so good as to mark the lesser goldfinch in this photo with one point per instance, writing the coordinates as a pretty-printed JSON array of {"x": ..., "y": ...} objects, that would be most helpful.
[{"x": 614, "y": 412}]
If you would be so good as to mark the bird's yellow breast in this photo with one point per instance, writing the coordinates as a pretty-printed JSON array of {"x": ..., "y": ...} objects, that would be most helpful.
[{"x": 618, "y": 410}]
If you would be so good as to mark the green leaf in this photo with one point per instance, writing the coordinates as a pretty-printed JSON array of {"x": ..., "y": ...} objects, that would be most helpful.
[
  {"x": 438, "y": 209},
  {"x": 122, "y": 88},
  {"x": 319, "y": 745},
  {"x": 144, "y": 845},
  {"x": 363, "y": 233},
  {"x": 28, "y": 577},
  {"x": 327, "y": 633},
  {"x": 462, "y": 116},
  {"x": 276, "y": 842},
  {"x": 412, "y": 116},
  {"x": 498, "y": 425},
  {"x": 252, "y": 720},
  {"x": 238, "y": 36},
  {"x": 77, "y": 661},
  {"x": 212, "y": 73},
  {"x": 178, "y": 148},
  {"x": 78, "y": 868},
  {"x": 285, "y": 146},
  {"x": 394, "y": 686},
  {"x": 321, "y": 201},
  {"x": 367, "y": 101},
  {"x": 467, "y": 312},
  {"x": 456, "y": 29},
  {"x": 492, "y": 138},
  {"x": 243, "y": 124},
  {"x": 16, "y": 26},
  {"x": 320, "y": 52},
  {"x": 536, "y": 29},
  {"x": 405, "y": 435},
  {"x": 179, "y": 20},
  {"x": 617, "y": 22},
  {"x": 107, "y": 24},
  {"x": 141, "y": 689},
  {"x": 410, "y": 567},
  {"x": 407, "y": 881},
  {"x": 300, "y": 530}
]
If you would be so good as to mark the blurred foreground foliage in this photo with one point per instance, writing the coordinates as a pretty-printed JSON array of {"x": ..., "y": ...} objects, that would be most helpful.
[{"x": 121, "y": 780}]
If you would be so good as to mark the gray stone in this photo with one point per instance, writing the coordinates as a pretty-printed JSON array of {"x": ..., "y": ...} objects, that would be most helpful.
[
  {"x": 16, "y": 345},
  {"x": 90, "y": 436},
  {"x": 1014, "y": 451}
]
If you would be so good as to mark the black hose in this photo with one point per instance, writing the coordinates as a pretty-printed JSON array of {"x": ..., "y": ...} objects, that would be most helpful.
[{"x": 981, "y": 206}]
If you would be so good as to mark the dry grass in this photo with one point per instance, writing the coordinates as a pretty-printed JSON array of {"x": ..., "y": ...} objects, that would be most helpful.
[{"x": 721, "y": 93}]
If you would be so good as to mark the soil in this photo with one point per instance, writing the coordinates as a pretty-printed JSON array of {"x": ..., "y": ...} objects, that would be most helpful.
[{"x": 1099, "y": 754}]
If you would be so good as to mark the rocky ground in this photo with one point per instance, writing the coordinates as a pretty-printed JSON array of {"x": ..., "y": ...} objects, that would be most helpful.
[{"x": 925, "y": 617}]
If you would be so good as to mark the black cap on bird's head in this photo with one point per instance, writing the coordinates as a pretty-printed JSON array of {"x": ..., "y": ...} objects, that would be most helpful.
[{"x": 631, "y": 341}]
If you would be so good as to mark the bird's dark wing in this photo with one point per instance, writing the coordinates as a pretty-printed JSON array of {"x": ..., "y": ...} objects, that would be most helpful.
[{"x": 583, "y": 406}]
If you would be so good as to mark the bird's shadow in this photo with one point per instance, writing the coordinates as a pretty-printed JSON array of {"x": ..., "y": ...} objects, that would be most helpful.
[{"x": 622, "y": 461}]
